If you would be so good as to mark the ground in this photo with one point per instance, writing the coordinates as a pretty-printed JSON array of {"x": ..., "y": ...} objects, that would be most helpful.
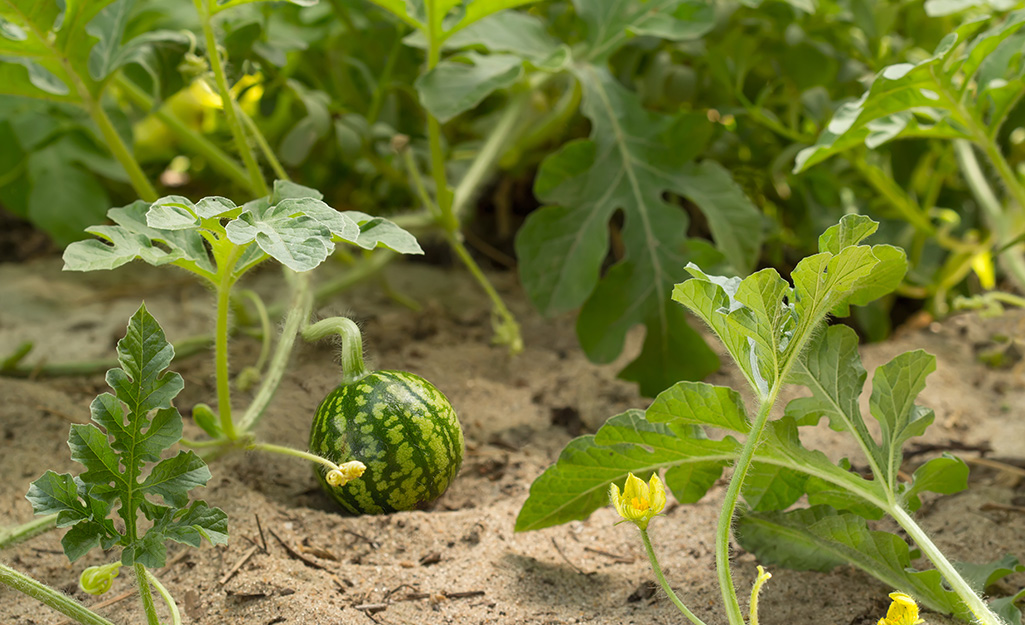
[{"x": 293, "y": 558}]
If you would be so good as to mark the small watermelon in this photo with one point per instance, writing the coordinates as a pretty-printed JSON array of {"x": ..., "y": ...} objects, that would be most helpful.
[{"x": 402, "y": 428}]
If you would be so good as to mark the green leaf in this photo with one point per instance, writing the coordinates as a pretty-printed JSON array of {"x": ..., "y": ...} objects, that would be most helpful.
[
  {"x": 477, "y": 10},
  {"x": 578, "y": 483},
  {"x": 895, "y": 386},
  {"x": 460, "y": 83},
  {"x": 819, "y": 538},
  {"x": 295, "y": 231},
  {"x": 199, "y": 521},
  {"x": 138, "y": 424},
  {"x": 611, "y": 23},
  {"x": 380, "y": 232},
  {"x": 631, "y": 160},
  {"x": 133, "y": 238},
  {"x": 57, "y": 184},
  {"x": 514, "y": 32},
  {"x": 173, "y": 212},
  {"x": 945, "y": 475},
  {"x": 699, "y": 403}
]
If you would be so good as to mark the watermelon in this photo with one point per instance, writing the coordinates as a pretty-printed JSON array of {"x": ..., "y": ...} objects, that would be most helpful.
[{"x": 402, "y": 428}]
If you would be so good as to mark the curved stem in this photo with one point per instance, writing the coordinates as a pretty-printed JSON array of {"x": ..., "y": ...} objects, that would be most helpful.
[
  {"x": 729, "y": 506},
  {"x": 228, "y": 103},
  {"x": 192, "y": 140},
  {"x": 117, "y": 147},
  {"x": 144, "y": 593},
  {"x": 665, "y": 584},
  {"x": 265, "y": 327},
  {"x": 176, "y": 617},
  {"x": 13, "y": 535},
  {"x": 261, "y": 142},
  {"x": 302, "y": 305},
  {"x": 1000, "y": 222},
  {"x": 295, "y": 453},
  {"x": 763, "y": 576},
  {"x": 353, "y": 368},
  {"x": 978, "y": 607},
  {"x": 52, "y": 598}
]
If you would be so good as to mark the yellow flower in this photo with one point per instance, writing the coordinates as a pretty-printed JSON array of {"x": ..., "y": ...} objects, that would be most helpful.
[
  {"x": 345, "y": 473},
  {"x": 903, "y": 611},
  {"x": 639, "y": 502}
]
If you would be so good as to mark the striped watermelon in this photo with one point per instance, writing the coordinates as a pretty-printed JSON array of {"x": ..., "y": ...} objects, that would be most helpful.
[{"x": 402, "y": 428}]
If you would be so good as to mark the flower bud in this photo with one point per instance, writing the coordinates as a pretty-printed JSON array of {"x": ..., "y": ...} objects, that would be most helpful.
[{"x": 903, "y": 611}]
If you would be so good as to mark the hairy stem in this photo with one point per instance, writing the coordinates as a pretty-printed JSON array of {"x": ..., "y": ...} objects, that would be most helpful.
[
  {"x": 13, "y": 535},
  {"x": 176, "y": 617},
  {"x": 957, "y": 583},
  {"x": 729, "y": 507},
  {"x": 225, "y": 270},
  {"x": 295, "y": 453},
  {"x": 302, "y": 304},
  {"x": 144, "y": 593},
  {"x": 227, "y": 102},
  {"x": 665, "y": 584},
  {"x": 353, "y": 368},
  {"x": 192, "y": 140},
  {"x": 117, "y": 147},
  {"x": 52, "y": 598}
]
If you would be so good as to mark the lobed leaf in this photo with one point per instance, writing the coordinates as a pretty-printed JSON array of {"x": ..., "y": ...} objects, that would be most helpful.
[
  {"x": 460, "y": 83},
  {"x": 114, "y": 459}
]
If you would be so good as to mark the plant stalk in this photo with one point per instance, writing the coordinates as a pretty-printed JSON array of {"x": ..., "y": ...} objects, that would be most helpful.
[
  {"x": 261, "y": 142},
  {"x": 13, "y": 535},
  {"x": 729, "y": 507},
  {"x": 52, "y": 598},
  {"x": 176, "y": 617},
  {"x": 665, "y": 584},
  {"x": 295, "y": 453},
  {"x": 191, "y": 139},
  {"x": 144, "y": 593},
  {"x": 302, "y": 305},
  {"x": 117, "y": 147},
  {"x": 957, "y": 583},
  {"x": 225, "y": 271},
  {"x": 257, "y": 181},
  {"x": 353, "y": 368}
]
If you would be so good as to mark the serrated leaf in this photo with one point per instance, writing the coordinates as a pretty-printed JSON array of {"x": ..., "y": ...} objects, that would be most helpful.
[
  {"x": 631, "y": 161},
  {"x": 197, "y": 522},
  {"x": 895, "y": 386},
  {"x": 772, "y": 487},
  {"x": 133, "y": 238},
  {"x": 578, "y": 483},
  {"x": 699, "y": 403},
  {"x": 981, "y": 576},
  {"x": 174, "y": 477},
  {"x": 378, "y": 231},
  {"x": 298, "y": 242},
  {"x": 610, "y": 23},
  {"x": 138, "y": 423},
  {"x": 173, "y": 212},
  {"x": 820, "y": 538},
  {"x": 459, "y": 84}
]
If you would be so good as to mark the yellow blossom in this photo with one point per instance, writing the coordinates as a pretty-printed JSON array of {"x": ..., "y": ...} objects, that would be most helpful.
[
  {"x": 97, "y": 580},
  {"x": 639, "y": 502},
  {"x": 903, "y": 611},
  {"x": 345, "y": 473}
]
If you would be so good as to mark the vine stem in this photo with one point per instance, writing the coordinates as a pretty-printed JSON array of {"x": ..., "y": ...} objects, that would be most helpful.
[
  {"x": 117, "y": 147},
  {"x": 227, "y": 102},
  {"x": 191, "y": 139},
  {"x": 729, "y": 507},
  {"x": 261, "y": 141},
  {"x": 974, "y": 602},
  {"x": 52, "y": 598},
  {"x": 662, "y": 580},
  {"x": 12, "y": 535},
  {"x": 302, "y": 305},
  {"x": 176, "y": 617},
  {"x": 144, "y": 593},
  {"x": 1001, "y": 223},
  {"x": 353, "y": 368},
  {"x": 288, "y": 451},
  {"x": 226, "y": 279}
]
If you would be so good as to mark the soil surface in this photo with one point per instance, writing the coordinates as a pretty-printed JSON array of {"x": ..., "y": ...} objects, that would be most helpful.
[{"x": 459, "y": 562}]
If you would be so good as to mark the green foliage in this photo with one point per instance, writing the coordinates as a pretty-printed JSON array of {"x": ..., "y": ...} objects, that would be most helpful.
[
  {"x": 774, "y": 332},
  {"x": 293, "y": 226},
  {"x": 123, "y": 465}
]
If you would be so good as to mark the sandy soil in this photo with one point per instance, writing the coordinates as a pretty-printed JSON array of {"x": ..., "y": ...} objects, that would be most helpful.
[{"x": 460, "y": 562}]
